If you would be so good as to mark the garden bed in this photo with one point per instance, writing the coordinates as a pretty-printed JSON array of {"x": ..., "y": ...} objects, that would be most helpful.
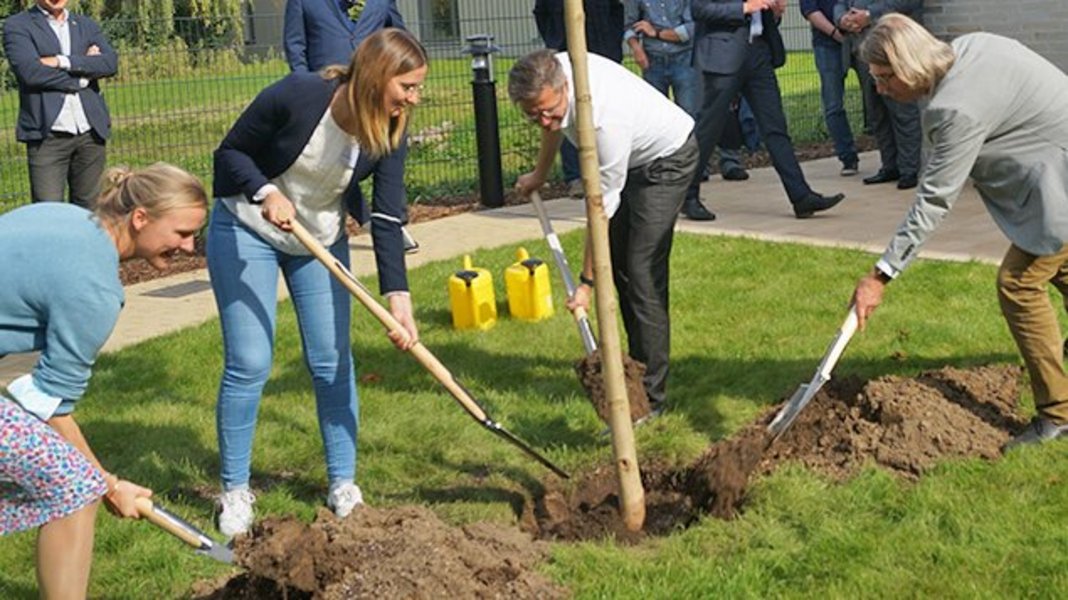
[{"x": 907, "y": 425}]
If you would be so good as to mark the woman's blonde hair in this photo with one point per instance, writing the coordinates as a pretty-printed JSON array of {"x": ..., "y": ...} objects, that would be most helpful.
[
  {"x": 919, "y": 59},
  {"x": 385, "y": 54},
  {"x": 158, "y": 188}
]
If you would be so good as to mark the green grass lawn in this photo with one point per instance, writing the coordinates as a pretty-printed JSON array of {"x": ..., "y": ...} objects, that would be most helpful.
[{"x": 750, "y": 321}]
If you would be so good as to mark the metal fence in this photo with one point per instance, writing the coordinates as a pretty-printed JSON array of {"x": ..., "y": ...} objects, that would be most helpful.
[{"x": 174, "y": 100}]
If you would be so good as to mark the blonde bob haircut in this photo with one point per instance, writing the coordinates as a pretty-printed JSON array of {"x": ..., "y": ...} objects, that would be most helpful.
[
  {"x": 158, "y": 189},
  {"x": 919, "y": 59},
  {"x": 383, "y": 55}
]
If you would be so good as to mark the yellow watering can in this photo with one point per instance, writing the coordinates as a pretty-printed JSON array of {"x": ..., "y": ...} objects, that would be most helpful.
[
  {"x": 471, "y": 297},
  {"x": 530, "y": 296}
]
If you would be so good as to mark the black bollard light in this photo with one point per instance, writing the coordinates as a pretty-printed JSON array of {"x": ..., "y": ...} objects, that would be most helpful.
[{"x": 481, "y": 48}]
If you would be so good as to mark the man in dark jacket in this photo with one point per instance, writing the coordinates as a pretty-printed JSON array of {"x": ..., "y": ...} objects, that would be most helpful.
[
  {"x": 738, "y": 51},
  {"x": 57, "y": 58}
]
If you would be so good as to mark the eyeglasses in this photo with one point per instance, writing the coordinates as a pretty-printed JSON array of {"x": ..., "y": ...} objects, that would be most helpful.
[{"x": 546, "y": 113}]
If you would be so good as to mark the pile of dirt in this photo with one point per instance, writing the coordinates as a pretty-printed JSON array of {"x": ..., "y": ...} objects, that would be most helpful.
[
  {"x": 589, "y": 373},
  {"x": 906, "y": 425},
  {"x": 404, "y": 552}
]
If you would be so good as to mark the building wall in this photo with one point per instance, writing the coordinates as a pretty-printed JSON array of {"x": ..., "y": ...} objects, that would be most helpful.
[{"x": 1038, "y": 24}]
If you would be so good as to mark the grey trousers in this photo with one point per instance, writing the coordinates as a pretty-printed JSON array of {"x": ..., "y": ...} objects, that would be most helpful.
[
  {"x": 896, "y": 126},
  {"x": 640, "y": 236},
  {"x": 62, "y": 160}
]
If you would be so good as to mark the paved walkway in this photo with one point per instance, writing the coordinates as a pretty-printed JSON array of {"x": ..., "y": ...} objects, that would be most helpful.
[{"x": 756, "y": 208}]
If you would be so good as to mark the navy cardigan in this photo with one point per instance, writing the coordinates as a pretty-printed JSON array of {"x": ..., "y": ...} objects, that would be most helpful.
[{"x": 269, "y": 137}]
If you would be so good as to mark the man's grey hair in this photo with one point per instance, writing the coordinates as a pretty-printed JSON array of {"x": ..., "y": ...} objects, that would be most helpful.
[{"x": 533, "y": 73}]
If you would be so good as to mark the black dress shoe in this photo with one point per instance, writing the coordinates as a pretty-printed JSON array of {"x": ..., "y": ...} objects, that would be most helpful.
[
  {"x": 814, "y": 203},
  {"x": 907, "y": 182},
  {"x": 883, "y": 176},
  {"x": 695, "y": 211},
  {"x": 736, "y": 174}
]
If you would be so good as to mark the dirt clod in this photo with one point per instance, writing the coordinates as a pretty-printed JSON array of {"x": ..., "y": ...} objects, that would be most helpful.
[{"x": 589, "y": 374}]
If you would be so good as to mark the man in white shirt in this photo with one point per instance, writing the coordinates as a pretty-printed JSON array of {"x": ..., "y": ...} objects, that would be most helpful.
[
  {"x": 648, "y": 156},
  {"x": 57, "y": 58}
]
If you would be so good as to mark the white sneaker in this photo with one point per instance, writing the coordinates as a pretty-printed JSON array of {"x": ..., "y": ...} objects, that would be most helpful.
[
  {"x": 235, "y": 516},
  {"x": 343, "y": 498}
]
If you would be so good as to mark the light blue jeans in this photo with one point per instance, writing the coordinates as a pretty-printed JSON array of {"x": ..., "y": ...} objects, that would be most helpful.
[{"x": 244, "y": 276}]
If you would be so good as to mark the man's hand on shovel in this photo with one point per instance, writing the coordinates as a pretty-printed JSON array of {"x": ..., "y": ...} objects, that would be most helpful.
[
  {"x": 580, "y": 299},
  {"x": 868, "y": 295}
]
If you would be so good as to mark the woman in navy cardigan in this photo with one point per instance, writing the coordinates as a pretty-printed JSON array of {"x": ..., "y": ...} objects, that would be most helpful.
[{"x": 299, "y": 151}]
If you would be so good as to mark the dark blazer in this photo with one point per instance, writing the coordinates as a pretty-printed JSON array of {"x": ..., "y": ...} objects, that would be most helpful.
[
  {"x": 42, "y": 90},
  {"x": 269, "y": 137},
  {"x": 317, "y": 33},
  {"x": 721, "y": 39},
  {"x": 604, "y": 26}
]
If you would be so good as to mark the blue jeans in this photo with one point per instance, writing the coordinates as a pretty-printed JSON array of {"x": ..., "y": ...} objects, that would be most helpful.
[
  {"x": 674, "y": 71},
  {"x": 833, "y": 71},
  {"x": 244, "y": 276}
]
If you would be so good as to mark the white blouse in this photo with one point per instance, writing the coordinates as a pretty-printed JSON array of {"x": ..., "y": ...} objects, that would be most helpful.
[{"x": 314, "y": 183}]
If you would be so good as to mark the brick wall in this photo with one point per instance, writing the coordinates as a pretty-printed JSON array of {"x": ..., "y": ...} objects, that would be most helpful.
[{"x": 1039, "y": 24}]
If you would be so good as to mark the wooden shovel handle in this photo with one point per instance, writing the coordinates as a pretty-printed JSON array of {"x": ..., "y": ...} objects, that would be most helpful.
[{"x": 419, "y": 351}]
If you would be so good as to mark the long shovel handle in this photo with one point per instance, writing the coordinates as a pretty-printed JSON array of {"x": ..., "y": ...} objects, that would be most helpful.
[
  {"x": 419, "y": 351},
  {"x": 582, "y": 320},
  {"x": 838, "y": 345}
]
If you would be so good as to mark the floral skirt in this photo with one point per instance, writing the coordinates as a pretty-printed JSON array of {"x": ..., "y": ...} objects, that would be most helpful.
[{"x": 42, "y": 476}]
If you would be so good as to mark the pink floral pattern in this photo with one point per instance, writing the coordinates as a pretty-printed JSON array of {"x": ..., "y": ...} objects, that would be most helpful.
[{"x": 42, "y": 476}]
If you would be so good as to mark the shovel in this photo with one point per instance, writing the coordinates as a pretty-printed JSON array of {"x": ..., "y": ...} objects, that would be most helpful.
[
  {"x": 184, "y": 530},
  {"x": 419, "y": 351},
  {"x": 586, "y": 368},
  {"x": 807, "y": 391},
  {"x": 581, "y": 318}
]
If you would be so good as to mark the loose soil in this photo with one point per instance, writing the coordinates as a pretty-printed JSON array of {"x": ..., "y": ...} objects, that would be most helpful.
[
  {"x": 907, "y": 425},
  {"x": 589, "y": 373},
  {"x": 404, "y": 552}
]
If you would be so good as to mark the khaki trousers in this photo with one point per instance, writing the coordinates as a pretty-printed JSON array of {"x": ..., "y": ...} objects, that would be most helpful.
[{"x": 1024, "y": 296}]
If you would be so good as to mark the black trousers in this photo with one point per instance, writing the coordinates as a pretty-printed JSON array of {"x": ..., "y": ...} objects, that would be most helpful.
[
  {"x": 756, "y": 81},
  {"x": 640, "y": 236}
]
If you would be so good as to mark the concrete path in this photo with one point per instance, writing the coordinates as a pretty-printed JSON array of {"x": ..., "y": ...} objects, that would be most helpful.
[{"x": 756, "y": 208}]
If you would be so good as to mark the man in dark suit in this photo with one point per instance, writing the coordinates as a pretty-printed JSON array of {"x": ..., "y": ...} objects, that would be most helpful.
[
  {"x": 318, "y": 33},
  {"x": 738, "y": 51},
  {"x": 57, "y": 58}
]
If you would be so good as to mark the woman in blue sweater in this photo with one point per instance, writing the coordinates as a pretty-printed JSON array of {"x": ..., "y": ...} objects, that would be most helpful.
[
  {"x": 299, "y": 151},
  {"x": 60, "y": 294}
]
